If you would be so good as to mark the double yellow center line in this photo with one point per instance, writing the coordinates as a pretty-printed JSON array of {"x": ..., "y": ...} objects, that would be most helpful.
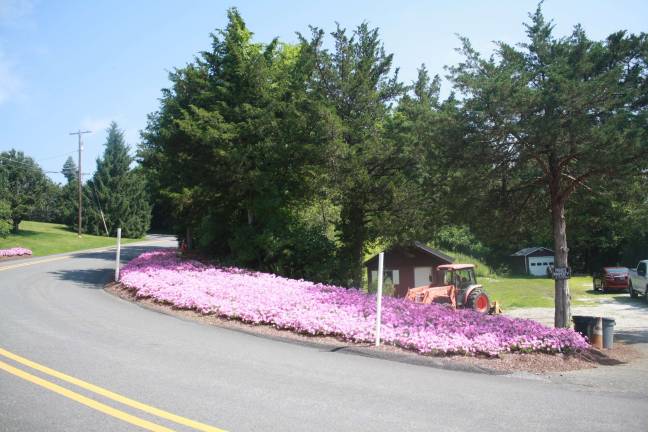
[{"x": 106, "y": 409}]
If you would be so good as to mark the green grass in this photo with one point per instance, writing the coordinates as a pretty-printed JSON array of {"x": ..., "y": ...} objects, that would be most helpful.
[
  {"x": 522, "y": 291},
  {"x": 47, "y": 238},
  {"x": 481, "y": 268}
]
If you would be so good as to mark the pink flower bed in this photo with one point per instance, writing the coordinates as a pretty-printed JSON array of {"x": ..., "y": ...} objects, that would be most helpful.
[
  {"x": 17, "y": 251},
  {"x": 318, "y": 309}
]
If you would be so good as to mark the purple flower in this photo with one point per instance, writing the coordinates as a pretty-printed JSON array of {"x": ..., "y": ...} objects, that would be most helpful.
[
  {"x": 349, "y": 314},
  {"x": 17, "y": 251}
]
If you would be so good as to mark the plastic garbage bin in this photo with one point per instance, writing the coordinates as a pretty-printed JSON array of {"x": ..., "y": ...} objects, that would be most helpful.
[
  {"x": 584, "y": 325},
  {"x": 608, "y": 332}
]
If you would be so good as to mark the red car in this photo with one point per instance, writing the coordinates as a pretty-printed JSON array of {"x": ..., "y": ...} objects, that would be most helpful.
[{"x": 612, "y": 279}]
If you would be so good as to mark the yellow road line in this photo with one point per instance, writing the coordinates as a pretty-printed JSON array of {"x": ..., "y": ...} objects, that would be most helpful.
[
  {"x": 111, "y": 395},
  {"x": 29, "y": 263},
  {"x": 121, "y": 415}
]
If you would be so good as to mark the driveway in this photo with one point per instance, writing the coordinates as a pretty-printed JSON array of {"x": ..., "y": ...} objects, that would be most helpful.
[{"x": 631, "y": 316}]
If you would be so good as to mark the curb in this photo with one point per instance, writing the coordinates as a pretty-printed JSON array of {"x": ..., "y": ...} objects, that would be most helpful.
[{"x": 358, "y": 349}]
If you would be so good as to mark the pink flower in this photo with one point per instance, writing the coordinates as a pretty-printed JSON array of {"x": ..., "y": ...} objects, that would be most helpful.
[
  {"x": 17, "y": 251},
  {"x": 349, "y": 314}
]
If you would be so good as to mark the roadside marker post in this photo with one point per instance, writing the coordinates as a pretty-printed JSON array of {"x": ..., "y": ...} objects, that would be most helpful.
[
  {"x": 381, "y": 259},
  {"x": 118, "y": 253}
]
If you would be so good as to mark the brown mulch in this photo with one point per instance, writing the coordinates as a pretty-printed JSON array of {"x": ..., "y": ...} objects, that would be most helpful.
[
  {"x": 537, "y": 363},
  {"x": 14, "y": 257}
]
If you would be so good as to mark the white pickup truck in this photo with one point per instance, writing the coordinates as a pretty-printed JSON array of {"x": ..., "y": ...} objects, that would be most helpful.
[{"x": 639, "y": 280}]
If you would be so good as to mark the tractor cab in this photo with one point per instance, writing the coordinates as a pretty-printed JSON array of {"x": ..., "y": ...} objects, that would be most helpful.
[{"x": 462, "y": 278}]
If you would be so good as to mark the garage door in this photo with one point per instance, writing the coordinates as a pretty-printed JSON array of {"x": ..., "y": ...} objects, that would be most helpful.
[{"x": 538, "y": 265}]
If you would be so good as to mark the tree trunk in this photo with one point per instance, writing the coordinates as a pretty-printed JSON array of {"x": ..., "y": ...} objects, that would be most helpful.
[
  {"x": 562, "y": 314},
  {"x": 189, "y": 238},
  {"x": 353, "y": 239},
  {"x": 16, "y": 224}
]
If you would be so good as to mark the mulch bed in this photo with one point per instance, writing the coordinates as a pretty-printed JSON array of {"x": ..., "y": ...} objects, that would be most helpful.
[
  {"x": 14, "y": 258},
  {"x": 537, "y": 363}
]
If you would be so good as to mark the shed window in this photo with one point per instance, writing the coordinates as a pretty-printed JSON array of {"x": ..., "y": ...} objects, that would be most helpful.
[{"x": 389, "y": 276}]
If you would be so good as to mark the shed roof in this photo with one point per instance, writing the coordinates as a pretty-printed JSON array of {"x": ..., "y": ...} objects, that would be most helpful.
[
  {"x": 421, "y": 247},
  {"x": 528, "y": 251}
]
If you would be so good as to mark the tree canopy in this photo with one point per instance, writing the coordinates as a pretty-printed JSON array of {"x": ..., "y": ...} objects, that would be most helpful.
[
  {"x": 553, "y": 114},
  {"x": 299, "y": 158},
  {"x": 23, "y": 186},
  {"x": 117, "y": 193}
]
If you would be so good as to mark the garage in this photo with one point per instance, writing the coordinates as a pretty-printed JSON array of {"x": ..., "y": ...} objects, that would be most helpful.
[
  {"x": 532, "y": 261},
  {"x": 538, "y": 265}
]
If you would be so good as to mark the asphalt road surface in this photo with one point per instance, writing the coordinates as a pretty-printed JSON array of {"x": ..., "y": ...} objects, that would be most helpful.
[{"x": 73, "y": 357}]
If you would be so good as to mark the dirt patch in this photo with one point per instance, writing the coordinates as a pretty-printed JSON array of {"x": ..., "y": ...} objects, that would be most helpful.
[
  {"x": 537, "y": 363},
  {"x": 14, "y": 257}
]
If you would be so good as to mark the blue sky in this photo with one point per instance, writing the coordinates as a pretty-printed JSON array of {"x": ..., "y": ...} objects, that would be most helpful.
[{"x": 66, "y": 65}]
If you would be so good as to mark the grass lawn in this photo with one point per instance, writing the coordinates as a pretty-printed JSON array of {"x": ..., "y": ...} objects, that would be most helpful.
[
  {"x": 47, "y": 238},
  {"x": 522, "y": 291}
]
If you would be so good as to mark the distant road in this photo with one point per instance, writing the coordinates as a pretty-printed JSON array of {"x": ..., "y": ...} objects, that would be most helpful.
[{"x": 74, "y": 358}]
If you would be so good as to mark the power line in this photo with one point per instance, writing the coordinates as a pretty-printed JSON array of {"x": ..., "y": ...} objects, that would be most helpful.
[
  {"x": 58, "y": 156},
  {"x": 99, "y": 205},
  {"x": 9, "y": 160}
]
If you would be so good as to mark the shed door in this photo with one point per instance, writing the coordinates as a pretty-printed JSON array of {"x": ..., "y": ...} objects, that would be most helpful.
[
  {"x": 538, "y": 265},
  {"x": 422, "y": 276}
]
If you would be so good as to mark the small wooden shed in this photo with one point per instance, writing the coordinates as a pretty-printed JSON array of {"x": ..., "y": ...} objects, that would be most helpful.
[
  {"x": 533, "y": 261},
  {"x": 408, "y": 266}
]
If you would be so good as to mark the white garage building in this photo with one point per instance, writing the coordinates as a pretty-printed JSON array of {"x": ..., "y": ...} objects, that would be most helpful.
[{"x": 533, "y": 261}]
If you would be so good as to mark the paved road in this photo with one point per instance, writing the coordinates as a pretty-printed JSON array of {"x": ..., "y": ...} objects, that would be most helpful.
[{"x": 56, "y": 314}]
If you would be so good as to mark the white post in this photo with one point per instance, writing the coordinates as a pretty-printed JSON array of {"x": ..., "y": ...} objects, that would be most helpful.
[
  {"x": 381, "y": 258},
  {"x": 118, "y": 253}
]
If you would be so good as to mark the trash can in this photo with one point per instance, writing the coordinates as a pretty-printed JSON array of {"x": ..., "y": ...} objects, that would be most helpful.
[
  {"x": 584, "y": 325},
  {"x": 608, "y": 332}
]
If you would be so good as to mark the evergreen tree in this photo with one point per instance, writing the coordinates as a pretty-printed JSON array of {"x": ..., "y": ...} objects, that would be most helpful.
[
  {"x": 69, "y": 170},
  {"x": 366, "y": 169},
  {"x": 117, "y": 193},
  {"x": 69, "y": 198},
  {"x": 232, "y": 149},
  {"x": 552, "y": 117}
]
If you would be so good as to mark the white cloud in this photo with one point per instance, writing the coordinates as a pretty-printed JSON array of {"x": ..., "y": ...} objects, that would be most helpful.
[
  {"x": 10, "y": 83},
  {"x": 13, "y": 13}
]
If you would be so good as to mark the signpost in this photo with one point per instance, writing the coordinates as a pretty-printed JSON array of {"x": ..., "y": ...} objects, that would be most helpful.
[
  {"x": 118, "y": 253},
  {"x": 381, "y": 259}
]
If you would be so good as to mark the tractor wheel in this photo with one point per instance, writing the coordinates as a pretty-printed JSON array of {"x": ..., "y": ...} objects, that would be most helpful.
[
  {"x": 633, "y": 293},
  {"x": 478, "y": 301}
]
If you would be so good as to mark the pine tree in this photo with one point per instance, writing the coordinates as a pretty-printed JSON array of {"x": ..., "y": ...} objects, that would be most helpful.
[
  {"x": 69, "y": 170},
  {"x": 118, "y": 197},
  {"x": 553, "y": 116}
]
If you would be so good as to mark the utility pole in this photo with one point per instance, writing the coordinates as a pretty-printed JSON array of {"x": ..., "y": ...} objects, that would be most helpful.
[{"x": 79, "y": 174}]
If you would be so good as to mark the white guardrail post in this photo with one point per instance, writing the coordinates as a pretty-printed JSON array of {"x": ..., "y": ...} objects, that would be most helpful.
[
  {"x": 118, "y": 253},
  {"x": 381, "y": 258}
]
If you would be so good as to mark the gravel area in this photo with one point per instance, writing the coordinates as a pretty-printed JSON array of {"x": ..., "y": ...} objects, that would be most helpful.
[
  {"x": 631, "y": 315},
  {"x": 535, "y": 363}
]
